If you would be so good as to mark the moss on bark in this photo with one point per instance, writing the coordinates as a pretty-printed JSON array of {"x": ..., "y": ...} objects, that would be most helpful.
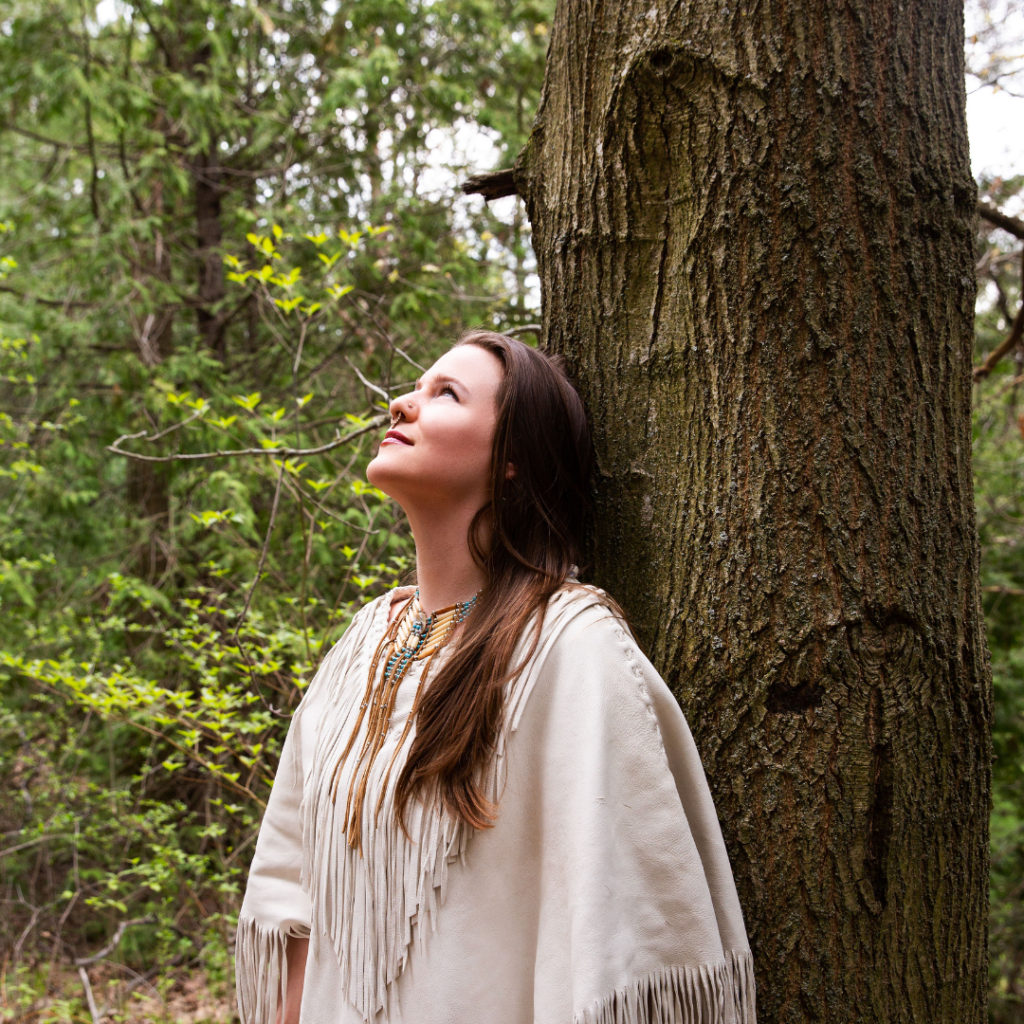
[{"x": 753, "y": 225}]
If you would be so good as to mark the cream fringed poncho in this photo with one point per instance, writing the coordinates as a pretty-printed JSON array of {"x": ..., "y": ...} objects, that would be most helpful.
[{"x": 603, "y": 894}]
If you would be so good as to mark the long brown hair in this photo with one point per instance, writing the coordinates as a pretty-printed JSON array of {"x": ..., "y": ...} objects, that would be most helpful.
[{"x": 540, "y": 470}]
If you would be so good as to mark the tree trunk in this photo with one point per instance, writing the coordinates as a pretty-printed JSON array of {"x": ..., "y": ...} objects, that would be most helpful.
[
  {"x": 753, "y": 226},
  {"x": 208, "y": 187}
]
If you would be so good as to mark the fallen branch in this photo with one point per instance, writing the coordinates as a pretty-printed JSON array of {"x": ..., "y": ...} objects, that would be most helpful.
[{"x": 235, "y": 453}]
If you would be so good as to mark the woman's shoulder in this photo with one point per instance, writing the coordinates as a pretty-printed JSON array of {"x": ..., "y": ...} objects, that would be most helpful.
[
  {"x": 585, "y": 632},
  {"x": 576, "y": 607},
  {"x": 589, "y": 667}
]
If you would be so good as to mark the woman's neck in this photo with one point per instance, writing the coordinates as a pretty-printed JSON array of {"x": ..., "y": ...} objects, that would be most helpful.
[{"x": 445, "y": 570}]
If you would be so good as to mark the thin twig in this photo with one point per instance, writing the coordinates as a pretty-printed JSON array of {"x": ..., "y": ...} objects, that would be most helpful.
[
  {"x": 163, "y": 433},
  {"x": 36, "y": 911},
  {"x": 405, "y": 355},
  {"x": 385, "y": 393},
  {"x": 145, "y": 979},
  {"x": 33, "y": 842},
  {"x": 367, "y": 311},
  {"x": 234, "y": 453},
  {"x": 1011, "y": 341},
  {"x": 188, "y": 752},
  {"x": 241, "y": 846},
  {"x": 89, "y": 998},
  {"x": 263, "y": 555},
  {"x": 54, "y": 303}
]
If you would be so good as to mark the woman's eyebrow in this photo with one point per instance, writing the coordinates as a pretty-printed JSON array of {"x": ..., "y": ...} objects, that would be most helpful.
[{"x": 442, "y": 378}]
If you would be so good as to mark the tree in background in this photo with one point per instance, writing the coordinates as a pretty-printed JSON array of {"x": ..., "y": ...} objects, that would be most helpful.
[
  {"x": 137, "y": 149},
  {"x": 998, "y": 451},
  {"x": 995, "y": 45}
]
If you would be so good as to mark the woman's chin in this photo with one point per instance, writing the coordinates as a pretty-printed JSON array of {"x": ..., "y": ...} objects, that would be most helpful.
[
  {"x": 376, "y": 476},
  {"x": 383, "y": 476}
]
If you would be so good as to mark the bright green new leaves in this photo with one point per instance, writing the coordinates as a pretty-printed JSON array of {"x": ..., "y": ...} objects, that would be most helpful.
[{"x": 223, "y": 228}]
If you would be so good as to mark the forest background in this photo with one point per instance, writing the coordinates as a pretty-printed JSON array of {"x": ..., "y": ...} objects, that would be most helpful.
[{"x": 228, "y": 232}]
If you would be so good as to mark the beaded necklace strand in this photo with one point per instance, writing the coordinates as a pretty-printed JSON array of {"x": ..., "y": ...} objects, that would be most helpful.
[{"x": 413, "y": 636}]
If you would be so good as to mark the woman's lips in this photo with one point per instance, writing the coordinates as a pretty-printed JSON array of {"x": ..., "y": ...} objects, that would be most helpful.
[{"x": 395, "y": 437}]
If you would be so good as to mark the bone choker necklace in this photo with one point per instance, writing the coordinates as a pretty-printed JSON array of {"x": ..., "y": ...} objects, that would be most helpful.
[{"x": 413, "y": 636}]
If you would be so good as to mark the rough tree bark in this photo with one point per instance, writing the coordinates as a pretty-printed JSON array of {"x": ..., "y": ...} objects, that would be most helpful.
[{"x": 753, "y": 225}]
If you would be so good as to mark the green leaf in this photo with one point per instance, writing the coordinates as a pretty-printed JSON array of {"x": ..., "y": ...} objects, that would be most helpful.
[{"x": 247, "y": 401}]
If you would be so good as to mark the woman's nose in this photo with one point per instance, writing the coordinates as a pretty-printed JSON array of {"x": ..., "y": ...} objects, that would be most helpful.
[{"x": 403, "y": 407}]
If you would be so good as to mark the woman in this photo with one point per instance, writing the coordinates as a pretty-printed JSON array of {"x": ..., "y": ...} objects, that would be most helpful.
[{"x": 494, "y": 813}]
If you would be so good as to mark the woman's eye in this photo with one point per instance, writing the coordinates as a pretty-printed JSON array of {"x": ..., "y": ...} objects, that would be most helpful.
[{"x": 447, "y": 389}]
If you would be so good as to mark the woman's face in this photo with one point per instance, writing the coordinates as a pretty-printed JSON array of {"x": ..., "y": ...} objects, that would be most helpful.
[{"x": 438, "y": 450}]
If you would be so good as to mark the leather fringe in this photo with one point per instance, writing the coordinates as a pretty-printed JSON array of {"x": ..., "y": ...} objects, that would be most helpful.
[
  {"x": 709, "y": 994},
  {"x": 261, "y": 971},
  {"x": 370, "y": 901}
]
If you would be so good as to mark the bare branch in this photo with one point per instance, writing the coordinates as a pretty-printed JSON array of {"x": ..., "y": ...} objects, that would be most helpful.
[
  {"x": 113, "y": 943},
  {"x": 263, "y": 555},
  {"x": 513, "y": 331},
  {"x": 368, "y": 311},
  {"x": 36, "y": 911},
  {"x": 36, "y": 137},
  {"x": 146, "y": 979},
  {"x": 385, "y": 393},
  {"x": 56, "y": 304},
  {"x": 493, "y": 185},
  {"x": 234, "y": 453},
  {"x": 405, "y": 355},
  {"x": 90, "y": 999},
  {"x": 1001, "y": 220},
  {"x": 34, "y": 842},
  {"x": 1012, "y": 339}
]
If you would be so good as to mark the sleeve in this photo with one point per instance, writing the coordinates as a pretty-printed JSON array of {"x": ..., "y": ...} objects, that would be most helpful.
[
  {"x": 275, "y": 905},
  {"x": 637, "y": 874}
]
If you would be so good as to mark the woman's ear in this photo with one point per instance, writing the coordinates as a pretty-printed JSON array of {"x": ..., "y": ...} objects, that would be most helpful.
[{"x": 510, "y": 471}]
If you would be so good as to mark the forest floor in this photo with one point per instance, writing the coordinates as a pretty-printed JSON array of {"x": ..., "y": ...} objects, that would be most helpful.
[{"x": 189, "y": 997}]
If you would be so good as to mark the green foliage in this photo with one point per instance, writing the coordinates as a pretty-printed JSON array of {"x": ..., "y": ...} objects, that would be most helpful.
[
  {"x": 224, "y": 228},
  {"x": 231, "y": 227},
  {"x": 999, "y": 489}
]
